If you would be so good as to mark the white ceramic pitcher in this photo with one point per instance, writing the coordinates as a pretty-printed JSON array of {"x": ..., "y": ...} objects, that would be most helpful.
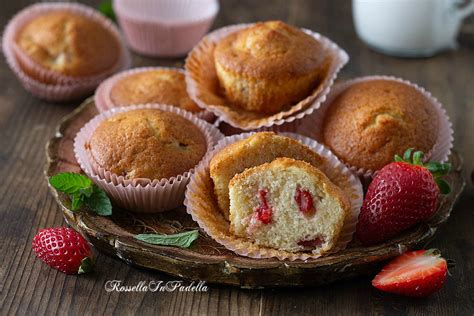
[{"x": 409, "y": 28}]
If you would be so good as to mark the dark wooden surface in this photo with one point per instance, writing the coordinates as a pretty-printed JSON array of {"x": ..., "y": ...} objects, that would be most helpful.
[{"x": 29, "y": 286}]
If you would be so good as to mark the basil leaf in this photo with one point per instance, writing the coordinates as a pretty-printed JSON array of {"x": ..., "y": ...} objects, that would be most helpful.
[
  {"x": 70, "y": 183},
  {"x": 99, "y": 202},
  {"x": 183, "y": 240}
]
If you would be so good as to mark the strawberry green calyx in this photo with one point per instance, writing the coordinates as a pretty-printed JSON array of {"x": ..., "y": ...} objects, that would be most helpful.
[
  {"x": 86, "y": 266},
  {"x": 437, "y": 169}
]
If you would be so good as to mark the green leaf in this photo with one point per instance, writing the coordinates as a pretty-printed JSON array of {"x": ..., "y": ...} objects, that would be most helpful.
[
  {"x": 418, "y": 158},
  {"x": 443, "y": 186},
  {"x": 76, "y": 201},
  {"x": 99, "y": 202},
  {"x": 107, "y": 9},
  {"x": 183, "y": 240},
  {"x": 70, "y": 183},
  {"x": 407, "y": 154},
  {"x": 397, "y": 158},
  {"x": 86, "y": 266},
  {"x": 438, "y": 169}
]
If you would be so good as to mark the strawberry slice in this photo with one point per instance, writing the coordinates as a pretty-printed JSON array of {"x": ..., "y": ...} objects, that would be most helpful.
[{"x": 416, "y": 273}]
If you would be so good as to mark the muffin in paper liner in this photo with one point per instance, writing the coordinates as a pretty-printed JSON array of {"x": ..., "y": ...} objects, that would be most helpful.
[
  {"x": 166, "y": 28},
  {"x": 201, "y": 203},
  {"x": 204, "y": 88},
  {"x": 104, "y": 102},
  {"x": 312, "y": 125},
  {"x": 139, "y": 195},
  {"x": 51, "y": 85}
]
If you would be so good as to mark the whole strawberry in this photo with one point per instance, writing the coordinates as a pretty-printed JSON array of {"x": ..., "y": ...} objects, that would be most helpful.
[
  {"x": 402, "y": 194},
  {"x": 63, "y": 249},
  {"x": 415, "y": 273}
]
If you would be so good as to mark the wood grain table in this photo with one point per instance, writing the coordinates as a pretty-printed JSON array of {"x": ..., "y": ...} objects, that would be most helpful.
[{"x": 27, "y": 286}]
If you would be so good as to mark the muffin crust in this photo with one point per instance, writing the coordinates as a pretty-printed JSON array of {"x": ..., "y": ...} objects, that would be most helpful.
[
  {"x": 69, "y": 43},
  {"x": 147, "y": 143},
  {"x": 164, "y": 86},
  {"x": 371, "y": 121},
  {"x": 268, "y": 66}
]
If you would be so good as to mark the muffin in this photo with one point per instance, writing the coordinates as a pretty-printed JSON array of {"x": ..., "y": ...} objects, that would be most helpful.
[
  {"x": 146, "y": 143},
  {"x": 67, "y": 43},
  {"x": 287, "y": 204},
  {"x": 250, "y": 152},
  {"x": 165, "y": 86},
  {"x": 371, "y": 121},
  {"x": 269, "y": 66}
]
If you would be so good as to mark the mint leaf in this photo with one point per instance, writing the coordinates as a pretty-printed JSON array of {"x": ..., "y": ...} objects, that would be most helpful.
[
  {"x": 70, "y": 183},
  {"x": 82, "y": 190},
  {"x": 76, "y": 201},
  {"x": 99, "y": 202},
  {"x": 107, "y": 9},
  {"x": 182, "y": 240}
]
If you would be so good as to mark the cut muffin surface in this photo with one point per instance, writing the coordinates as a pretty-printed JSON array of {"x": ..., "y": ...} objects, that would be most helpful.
[{"x": 288, "y": 205}]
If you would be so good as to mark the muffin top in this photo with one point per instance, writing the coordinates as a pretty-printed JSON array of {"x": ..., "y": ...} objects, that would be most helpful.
[
  {"x": 270, "y": 49},
  {"x": 371, "y": 121},
  {"x": 165, "y": 86},
  {"x": 69, "y": 43},
  {"x": 147, "y": 143}
]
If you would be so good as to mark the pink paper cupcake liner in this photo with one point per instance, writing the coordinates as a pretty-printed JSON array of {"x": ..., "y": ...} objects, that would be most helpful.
[
  {"x": 201, "y": 92},
  {"x": 103, "y": 100},
  {"x": 312, "y": 125},
  {"x": 139, "y": 195},
  {"x": 64, "y": 88},
  {"x": 202, "y": 205},
  {"x": 165, "y": 28}
]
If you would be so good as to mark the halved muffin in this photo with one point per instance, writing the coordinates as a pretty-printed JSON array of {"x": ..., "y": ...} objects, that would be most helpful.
[
  {"x": 255, "y": 150},
  {"x": 268, "y": 66},
  {"x": 288, "y": 205}
]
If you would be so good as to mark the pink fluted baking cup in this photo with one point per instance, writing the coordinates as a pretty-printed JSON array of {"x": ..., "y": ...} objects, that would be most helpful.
[
  {"x": 165, "y": 28},
  {"x": 202, "y": 205},
  {"x": 139, "y": 195},
  {"x": 53, "y": 86},
  {"x": 312, "y": 125},
  {"x": 104, "y": 102},
  {"x": 203, "y": 85}
]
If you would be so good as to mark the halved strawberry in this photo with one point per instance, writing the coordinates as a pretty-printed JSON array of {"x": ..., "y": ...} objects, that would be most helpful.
[{"x": 416, "y": 273}]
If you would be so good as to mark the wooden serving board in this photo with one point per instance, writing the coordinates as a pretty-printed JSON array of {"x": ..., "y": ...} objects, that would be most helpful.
[{"x": 205, "y": 259}]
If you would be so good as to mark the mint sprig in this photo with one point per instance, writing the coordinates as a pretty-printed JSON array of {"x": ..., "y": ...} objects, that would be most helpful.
[
  {"x": 82, "y": 191},
  {"x": 437, "y": 169},
  {"x": 182, "y": 240}
]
